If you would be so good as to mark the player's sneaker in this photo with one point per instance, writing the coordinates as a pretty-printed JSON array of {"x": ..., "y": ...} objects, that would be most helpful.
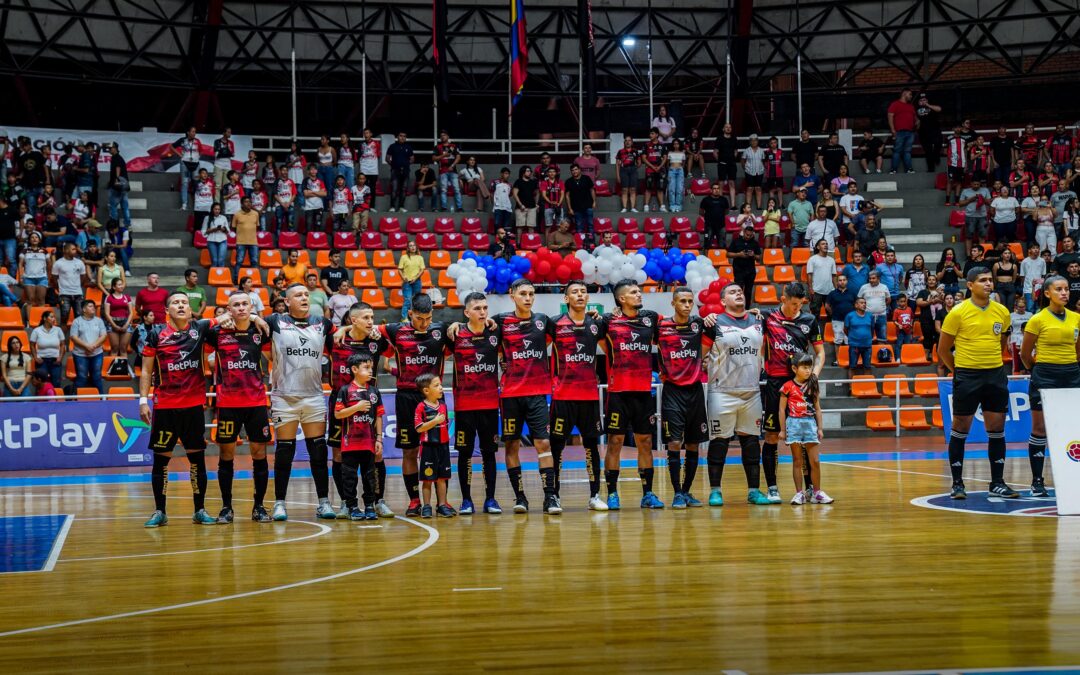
[
  {"x": 958, "y": 491},
  {"x": 259, "y": 514},
  {"x": 342, "y": 512},
  {"x": 425, "y": 512},
  {"x": 552, "y": 505},
  {"x": 1038, "y": 488},
  {"x": 756, "y": 498},
  {"x": 798, "y": 499},
  {"x": 201, "y": 517},
  {"x": 369, "y": 513},
  {"x": 466, "y": 507},
  {"x": 650, "y": 501},
  {"x": 613, "y": 502},
  {"x": 492, "y": 506},
  {"x": 225, "y": 516},
  {"x": 325, "y": 511},
  {"x": 821, "y": 498},
  {"x": 355, "y": 513},
  {"x": 596, "y": 503},
  {"x": 692, "y": 501},
  {"x": 278, "y": 513},
  {"x": 521, "y": 505},
  {"x": 413, "y": 509},
  {"x": 445, "y": 511},
  {"x": 679, "y": 502},
  {"x": 382, "y": 510},
  {"x": 157, "y": 520},
  {"x": 774, "y": 495},
  {"x": 1003, "y": 490},
  {"x": 716, "y": 498}
]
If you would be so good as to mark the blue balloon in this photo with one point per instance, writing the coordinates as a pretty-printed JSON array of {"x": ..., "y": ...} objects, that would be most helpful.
[
  {"x": 675, "y": 253},
  {"x": 643, "y": 251},
  {"x": 501, "y": 263},
  {"x": 678, "y": 273},
  {"x": 664, "y": 264},
  {"x": 468, "y": 255},
  {"x": 653, "y": 271},
  {"x": 502, "y": 275},
  {"x": 688, "y": 258}
]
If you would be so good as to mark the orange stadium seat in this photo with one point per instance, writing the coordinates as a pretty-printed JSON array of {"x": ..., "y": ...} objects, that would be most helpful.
[
  {"x": 766, "y": 295},
  {"x": 783, "y": 274},
  {"x": 382, "y": 260},
  {"x": 106, "y": 365},
  {"x": 913, "y": 355},
  {"x": 438, "y": 260},
  {"x": 253, "y": 272},
  {"x": 894, "y": 382},
  {"x": 773, "y": 256},
  {"x": 880, "y": 418},
  {"x": 270, "y": 258},
  {"x": 364, "y": 278},
  {"x": 34, "y": 315},
  {"x": 843, "y": 356},
  {"x": 452, "y": 299},
  {"x": 373, "y": 297},
  {"x": 397, "y": 298},
  {"x": 88, "y": 391},
  {"x": 913, "y": 419},
  {"x": 800, "y": 256},
  {"x": 355, "y": 260},
  {"x": 935, "y": 419},
  {"x": 760, "y": 275},
  {"x": 926, "y": 385},
  {"x": 865, "y": 386},
  {"x": 391, "y": 279},
  {"x": 11, "y": 317},
  {"x": 220, "y": 276},
  {"x": 718, "y": 256}
]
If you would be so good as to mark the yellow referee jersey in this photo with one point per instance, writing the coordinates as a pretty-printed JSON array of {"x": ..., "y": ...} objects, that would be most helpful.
[
  {"x": 977, "y": 331},
  {"x": 1055, "y": 336}
]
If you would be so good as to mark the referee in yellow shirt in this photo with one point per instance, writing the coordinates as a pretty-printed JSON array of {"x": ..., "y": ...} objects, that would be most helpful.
[
  {"x": 976, "y": 328},
  {"x": 1050, "y": 351}
]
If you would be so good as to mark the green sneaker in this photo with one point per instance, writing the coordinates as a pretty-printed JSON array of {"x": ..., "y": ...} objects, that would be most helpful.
[
  {"x": 201, "y": 517},
  {"x": 756, "y": 498},
  {"x": 157, "y": 520},
  {"x": 716, "y": 498}
]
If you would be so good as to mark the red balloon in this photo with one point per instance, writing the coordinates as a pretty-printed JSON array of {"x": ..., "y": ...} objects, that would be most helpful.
[
  {"x": 716, "y": 285},
  {"x": 543, "y": 251},
  {"x": 714, "y": 299},
  {"x": 562, "y": 273},
  {"x": 574, "y": 263},
  {"x": 543, "y": 270},
  {"x": 703, "y": 297}
]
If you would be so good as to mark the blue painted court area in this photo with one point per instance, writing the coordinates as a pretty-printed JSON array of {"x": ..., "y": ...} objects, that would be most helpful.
[{"x": 31, "y": 543}]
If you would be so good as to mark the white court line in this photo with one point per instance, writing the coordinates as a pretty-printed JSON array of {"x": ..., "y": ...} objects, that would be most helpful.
[
  {"x": 964, "y": 671},
  {"x": 58, "y": 544},
  {"x": 433, "y": 536},
  {"x": 917, "y": 473},
  {"x": 470, "y": 590}
]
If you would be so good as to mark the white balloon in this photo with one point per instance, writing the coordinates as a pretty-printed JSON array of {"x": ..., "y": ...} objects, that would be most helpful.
[
  {"x": 481, "y": 272},
  {"x": 640, "y": 276},
  {"x": 603, "y": 270},
  {"x": 468, "y": 263},
  {"x": 589, "y": 277},
  {"x": 582, "y": 255},
  {"x": 693, "y": 279},
  {"x": 453, "y": 271},
  {"x": 627, "y": 270},
  {"x": 588, "y": 266},
  {"x": 638, "y": 261}
]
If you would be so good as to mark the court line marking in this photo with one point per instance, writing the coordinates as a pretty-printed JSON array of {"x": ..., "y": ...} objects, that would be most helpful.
[
  {"x": 964, "y": 671},
  {"x": 433, "y": 536},
  {"x": 470, "y": 590},
  {"x": 323, "y": 529},
  {"x": 58, "y": 544},
  {"x": 925, "y": 503},
  {"x": 917, "y": 473}
]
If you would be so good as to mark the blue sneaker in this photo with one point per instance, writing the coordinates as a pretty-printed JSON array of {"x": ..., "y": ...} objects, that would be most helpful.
[
  {"x": 369, "y": 513},
  {"x": 492, "y": 506},
  {"x": 613, "y": 502},
  {"x": 650, "y": 501},
  {"x": 756, "y": 498},
  {"x": 692, "y": 501},
  {"x": 201, "y": 517},
  {"x": 157, "y": 520},
  {"x": 678, "y": 503},
  {"x": 716, "y": 498},
  {"x": 355, "y": 513},
  {"x": 466, "y": 507}
]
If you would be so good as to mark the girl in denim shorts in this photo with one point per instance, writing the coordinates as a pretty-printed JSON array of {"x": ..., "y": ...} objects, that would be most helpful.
[{"x": 800, "y": 427}]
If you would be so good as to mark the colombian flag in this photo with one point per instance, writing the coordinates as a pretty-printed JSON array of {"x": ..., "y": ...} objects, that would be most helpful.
[{"x": 519, "y": 50}]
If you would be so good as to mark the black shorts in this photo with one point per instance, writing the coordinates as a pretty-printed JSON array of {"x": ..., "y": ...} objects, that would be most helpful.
[
  {"x": 956, "y": 174},
  {"x": 585, "y": 415},
  {"x": 1051, "y": 376},
  {"x": 169, "y": 425},
  {"x": 770, "y": 400},
  {"x": 655, "y": 181},
  {"x": 518, "y": 411},
  {"x": 255, "y": 420},
  {"x": 631, "y": 412},
  {"x": 979, "y": 175},
  {"x": 682, "y": 413},
  {"x": 470, "y": 425},
  {"x": 774, "y": 183},
  {"x": 434, "y": 462},
  {"x": 727, "y": 171},
  {"x": 405, "y": 406},
  {"x": 974, "y": 387},
  {"x": 753, "y": 181},
  {"x": 628, "y": 177}
]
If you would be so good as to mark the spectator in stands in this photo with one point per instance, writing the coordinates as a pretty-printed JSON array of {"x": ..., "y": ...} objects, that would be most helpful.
[
  {"x": 269, "y": 175},
  {"x": 676, "y": 176},
  {"x": 215, "y": 228},
  {"x": 399, "y": 156},
  {"x": 746, "y": 216},
  {"x": 915, "y": 280},
  {"x": 502, "y": 206},
  {"x": 346, "y": 162},
  {"x": 928, "y": 301},
  {"x": 472, "y": 175},
  {"x": 850, "y": 207},
  {"x": 246, "y": 226},
  {"x": 1037, "y": 209},
  {"x": 232, "y": 192},
  {"x": 57, "y": 229},
  {"x": 772, "y": 217},
  {"x": 838, "y": 304},
  {"x": 976, "y": 258},
  {"x": 665, "y": 125},
  {"x": 801, "y": 211},
  {"x": 975, "y": 200},
  {"x": 315, "y": 191},
  {"x": 411, "y": 264},
  {"x": 654, "y": 157},
  {"x": 1060, "y": 198},
  {"x": 1019, "y": 316},
  {"x": 1032, "y": 267},
  {"x": 956, "y": 157},
  {"x": 1067, "y": 256},
  {"x": 804, "y": 151},
  {"x": 856, "y": 271},
  {"x": 35, "y": 265},
  {"x": 1003, "y": 212},
  {"x": 525, "y": 202},
  {"x": 978, "y": 157},
  {"x": 904, "y": 318},
  {"x": 47, "y": 346},
  {"x": 83, "y": 212},
  {"x": 877, "y": 296},
  {"x": 293, "y": 270},
  {"x": 727, "y": 157},
  {"x": 588, "y": 162},
  {"x": 93, "y": 259},
  {"x": 447, "y": 156},
  {"x": 327, "y": 160},
  {"x": 118, "y": 186},
  {"x": 362, "y": 199},
  {"x": 1030, "y": 146},
  {"x": 8, "y": 296},
  {"x": 841, "y": 181},
  {"x": 859, "y": 329},
  {"x": 119, "y": 312},
  {"x": 901, "y": 115},
  {"x": 929, "y": 126},
  {"x": 224, "y": 151},
  {"x": 822, "y": 227},
  {"x": 714, "y": 209},
  {"x": 891, "y": 274},
  {"x": 370, "y": 151},
  {"x": 42, "y": 386},
  {"x": 338, "y": 303},
  {"x": 1047, "y": 180},
  {"x": 561, "y": 240},
  {"x": 333, "y": 274},
  {"x": 1070, "y": 217},
  {"x": 285, "y": 196},
  {"x": 152, "y": 299},
  {"x": 341, "y": 205},
  {"x": 49, "y": 198},
  {"x": 247, "y": 287},
  {"x": 69, "y": 275},
  {"x": 15, "y": 364},
  {"x": 260, "y": 201},
  {"x": 694, "y": 146},
  {"x": 206, "y": 194},
  {"x": 425, "y": 186},
  {"x": 118, "y": 240},
  {"x": 34, "y": 173},
  {"x": 821, "y": 271},
  {"x": 774, "y": 170},
  {"x": 9, "y": 229},
  {"x": 1060, "y": 149},
  {"x": 190, "y": 150},
  {"x": 502, "y": 245},
  {"x": 1021, "y": 180},
  {"x": 948, "y": 271},
  {"x": 196, "y": 294},
  {"x": 1003, "y": 152},
  {"x": 316, "y": 296},
  {"x": 294, "y": 165},
  {"x": 250, "y": 171},
  {"x": 278, "y": 306},
  {"x": 745, "y": 254},
  {"x": 628, "y": 159},
  {"x": 139, "y": 333},
  {"x": 753, "y": 164},
  {"x": 88, "y": 334},
  {"x": 870, "y": 155},
  {"x": 108, "y": 271},
  {"x": 1005, "y": 273},
  {"x": 831, "y": 157},
  {"x": 552, "y": 196},
  {"x": 1072, "y": 275},
  {"x": 809, "y": 181},
  {"x": 278, "y": 290}
]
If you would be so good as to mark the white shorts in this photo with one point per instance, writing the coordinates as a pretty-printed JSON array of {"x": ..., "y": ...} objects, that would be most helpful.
[
  {"x": 731, "y": 413},
  {"x": 839, "y": 337},
  {"x": 302, "y": 409}
]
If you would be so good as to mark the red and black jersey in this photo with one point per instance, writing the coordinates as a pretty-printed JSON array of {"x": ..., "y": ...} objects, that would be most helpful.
[
  {"x": 785, "y": 337},
  {"x": 552, "y": 189},
  {"x": 237, "y": 368},
  {"x": 682, "y": 348},
  {"x": 797, "y": 403},
  {"x": 1049, "y": 185},
  {"x": 628, "y": 346},
  {"x": 178, "y": 363},
  {"x": 573, "y": 358},
  {"x": 774, "y": 163},
  {"x": 286, "y": 190},
  {"x": 358, "y": 432},
  {"x": 417, "y": 353},
  {"x": 340, "y": 374},
  {"x": 627, "y": 157},
  {"x": 425, "y": 413},
  {"x": 1024, "y": 188},
  {"x": 1061, "y": 149},
  {"x": 452, "y": 152},
  {"x": 476, "y": 369},
  {"x": 653, "y": 154},
  {"x": 980, "y": 158},
  {"x": 1030, "y": 148},
  {"x": 526, "y": 369}
]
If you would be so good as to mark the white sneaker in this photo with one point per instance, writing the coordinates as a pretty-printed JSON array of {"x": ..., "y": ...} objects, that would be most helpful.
[
  {"x": 402, "y": 210},
  {"x": 343, "y": 512},
  {"x": 799, "y": 499},
  {"x": 663, "y": 208},
  {"x": 821, "y": 498},
  {"x": 623, "y": 211},
  {"x": 278, "y": 512},
  {"x": 325, "y": 510},
  {"x": 773, "y": 495},
  {"x": 646, "y": 208},
  {"x": 382, "y": 510},
  {"x": 597, "y": 504},
  {"x": 635, "y": 210}
]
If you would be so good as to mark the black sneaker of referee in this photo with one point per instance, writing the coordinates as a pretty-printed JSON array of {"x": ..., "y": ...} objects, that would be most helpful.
[
  {"x": 958, "y": 491},
  {"x": 1003, "y": 490}
]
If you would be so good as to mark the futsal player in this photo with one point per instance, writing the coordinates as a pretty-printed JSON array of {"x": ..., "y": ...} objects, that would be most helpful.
[
  {"x": 359, "y": 407},
  {"x": 1050, "y": 351},
  {"x": 789, "y": 330},
  {"x": 575, "y": 397},
  {"x": 241, "y": 402},
  {"x": 475, "y": 347},
  {"x": 173, "y": 357},
  {"x": 976, "y": 328},
  {"x": 734, "y": 400},
  {"x": 681, "y": 341},
  {"x": 356, "y": 336},
  {"x": 628, "y": 345}
]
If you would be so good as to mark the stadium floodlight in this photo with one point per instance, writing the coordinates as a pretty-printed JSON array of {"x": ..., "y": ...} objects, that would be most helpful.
[{"x": 629, "y": 41}]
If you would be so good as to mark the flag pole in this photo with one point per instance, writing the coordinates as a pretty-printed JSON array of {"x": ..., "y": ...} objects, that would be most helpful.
[
  {"x": 581, "y": 103},
  {"x": 363, "y": 62},
  {"x": 510, "y": 102}
]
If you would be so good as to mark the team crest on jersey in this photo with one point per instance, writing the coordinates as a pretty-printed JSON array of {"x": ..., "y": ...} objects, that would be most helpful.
[
  {"x": 646, "y": 321},
  {"x": 372, "y": 398},
  {"x": 806, "y": 329},
  {"x": 374, "y": 347},
  {"x": 539, "y": 324},
  {"x": 256, "y": 338},
  {"x": 593, "y": 329},
  {"x": 694, "y": 328},
  {"x": 997, "y": 328},
  {"x": 436, "y": 334},
  {"x": 193, "y": 333},
  {"x": 493, "y": 340}
]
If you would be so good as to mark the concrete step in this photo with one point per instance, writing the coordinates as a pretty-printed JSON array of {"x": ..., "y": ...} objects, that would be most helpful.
[
  {"x": 137, "y": 203},
  {"x": 915, "y": 239},
  {"x": 142, "y": 225},
  {"x": 896, "y": 223},
  {"x": 881, "y": 186},
  {"x": 136, "y": 185},
  {"x": 890, "y": 202},
  {"x": 929, "y": 254},
  {"x": 162, "y": 262},
  {"x": 155, "y": 242}
]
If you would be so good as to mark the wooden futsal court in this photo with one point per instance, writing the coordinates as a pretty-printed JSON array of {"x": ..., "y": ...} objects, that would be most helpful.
[{"x": 870, "y": 583}]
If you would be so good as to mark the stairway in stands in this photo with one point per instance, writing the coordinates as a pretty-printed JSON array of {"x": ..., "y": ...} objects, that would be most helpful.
[{"x": 159, "y": 235}]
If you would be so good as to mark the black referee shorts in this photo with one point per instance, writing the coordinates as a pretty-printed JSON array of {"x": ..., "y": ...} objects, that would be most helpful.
[
  {"x": 1051, "y": 376},
  {"x": 682, "y": 414},
  {"x": 566, "y": 415},
  {"x": 974, "y": 387},
  {"x": 169, "y": 425},
  {"x": 770, "y": 400},
  {"x": 517, "y": 411},
  {"x": 405, "y": 406},
  {"x": 470, "y": 425},
  {"x": 631, "y": 412}
]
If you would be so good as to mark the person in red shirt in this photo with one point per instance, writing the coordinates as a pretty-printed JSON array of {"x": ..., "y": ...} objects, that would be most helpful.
[
  {"x": 552, "y": 192},
  {"x": 628, "y": 159},
  {"x": 1061, "y": 148},
  {"x": 904, "y": 318},
  {"x": 655, "y": 158},
  {"x": 901, "y": 116},
  {"x": 359, "y": 409},
  {"x": 42, "y": 385},
  {"x": 1030, "y": 146},
  {"x": 431, "y": 420},
  {"x": 800, "y": 427},
  {"x": 152, "y": 299}
]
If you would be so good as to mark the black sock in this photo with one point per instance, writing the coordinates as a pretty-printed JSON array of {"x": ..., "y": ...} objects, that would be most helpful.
[
  {"x": 547, "y": 480},
  {"x": 1036, "y": 454},
  {"x": 646, "y": 479},
  {"x": 380, "y": 479},
  {"x": 368, "y": 477},
  {"x": 412, "y": 485},
  {"x": 347, "y": 470},
  {"x": 996, "y": 452},
  {"x": 514, "y": 473},
  {"x": 225, "y": 481},
  {"x": 674, "y": 469},
  {"x": 611, "y": 476},
  {"x": 464, "y": 472},
  {"x": 690, "y": 470},
  {"x": 159, "y": 480},
  {"x": 335, "y": 472},
  {"x": 198, "y": 478},
  {"x": 751, "y": 461},
  {"x": 768, "y": 460},
  {"x": 557, "y": 447},
  {"x": 260, "y": 473},
  {"x": 716, "y": 456},
  {"x": 491, "y": 468},
  {"x": 283, "y": 458},
  {"x": 316, "y": 448},
  {"x": 592, "y": 464},
  {"x": 957, "y": 439}
]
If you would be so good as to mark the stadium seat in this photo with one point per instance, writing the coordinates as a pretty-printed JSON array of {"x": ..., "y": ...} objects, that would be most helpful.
[
  {"x": 602, "y": 225},
  {"x": 88, "y": 391},
  {"x": 254, "y": 272},
  {"x": 699, "y": 224},
  {"x": 69, "y": 369},
  {"x": 628, "y": 225},
  {"x": 230, "y": 240},
  {"x": 364, "y": 278},
  {"x": 718, "y": 256},
  {"x": 322, "y": 259},
  {"x": 397, "y": 298},
  {"x": 680, "y": 224},
  {"x": 800, "y": 256},
  {"x": 843, "y": 356},
  {"x": 11, "y": 317},
  {"x": 636, "y": 240},
  {"x": 445, "y": 225},
  {"x": 288, "y": 240},
  {"x": 926, "y": 385},
  {"x": 766, "y": 295},
  {"x": 453, "y": 241},
  {"x": 785, "y": 222},
  {"x": 865, "y": 386},
  {"x": 658, "y": 240},
  {"x": 270, "y": 258},
  {"x": 344, "y": 240},
  {"x": 689, "y": 240},
  {"x": 318, "y": 241},
  {"x": 479, "y": 242},
  {"x": 390, "y": 279},
  {"x": 531, "y": 241},
  {"x": 731, "y": 225},
  {"x": 830, "y": 335},
  {"x": 371, "y": 240},
  {"x": 773, "y": 256},
  {"x": 913, "y": 355},
  {"x": 438, "y": 260},
  {"x": 936, "y": 420},
  {"x": 355, "y": 260},
  {"x": 876, "y": 349},
  {"x": 220, "y": 276},
  {"x": 122, "y": 391},
  {"x": 471, "y": 225},
  {"x": 896, "y": 382},
  {"x": 452, "y": 299},
  {"x": 373, "y": 297},
  {"x": 397, "y": 241},
  {"x": 106, "y": 366},
  {"x": 416, "y": 225},
  {"x": 880, "y": 418},
  {"x": 199, "y": 240},
  {"x": 890, "y": 331},
  {"x": 726, "y": 271},
  {"x": 761, "y": 275},
  {"x": 784, "y": 274},
  {"x": 444, "y": 280},
  {"x": 389, "y": 224},
  {"x": 616, "y": 239},
  {"x": 221, "y": 297},
  {"x": 33, "y": 316},
  {"x": 957, "y": 218},
  {"x": 603, "y": 187},
  {"x": 1017, "y": 249},
  {"x": 383, "y": 260},
  {"x": 652, "y": 224},
  {"x": 913, "y": 419},
  {"x": 426, "y": 241},
  {"x": 700, "y": 187},
  {"x": 264, "y": 240}
]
